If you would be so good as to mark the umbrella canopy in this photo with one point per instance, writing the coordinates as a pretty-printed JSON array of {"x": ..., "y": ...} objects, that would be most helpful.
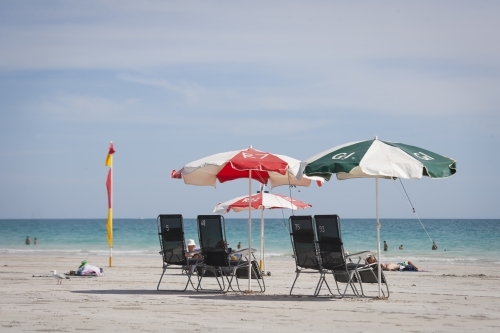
[
  {"x": 247, "y": 163},
  {"x": 378, "y": 159},
  {"x": 261, "y": 200}
]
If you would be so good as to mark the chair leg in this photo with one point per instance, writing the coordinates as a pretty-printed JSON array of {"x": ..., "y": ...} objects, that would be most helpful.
[
  {"x": 382, "y": 289},
  {"x": 223, "y": 286},
  {"x": 346, "y": 286},
  {"x": 230, "y": 282},
  {"x": 189, "y": 281},
  {"x": 190, "y": 273},
  {"x": 235, "y": 278},
  {"x": 161, "y": 277},
  {"x": 296, "y": 277},
  {"x": 215, "y": 272},
  {"x": 258, "y": 282},
  {"x": 320, "y": 284},
  {"x": 255, "y": 272},
  {"x": 349, "y": 283}
]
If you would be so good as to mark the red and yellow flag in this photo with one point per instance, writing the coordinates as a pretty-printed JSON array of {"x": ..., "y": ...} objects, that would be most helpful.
[
  {"x": 109, "y": 158},
  {"x": 109, "y": 186}
]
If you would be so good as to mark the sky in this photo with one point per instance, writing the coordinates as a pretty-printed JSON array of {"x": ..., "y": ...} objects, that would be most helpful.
[{"x": 170, "y": 82}]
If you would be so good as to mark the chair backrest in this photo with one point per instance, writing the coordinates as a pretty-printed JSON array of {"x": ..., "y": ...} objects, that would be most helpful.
[
  {"x": 171, "y": 234},
  {"x": 303, "y": 242},
  {"x": 330, "y": 244},
  {"x": 368, "y": 276},
  {"x": 212, "y": 237}
]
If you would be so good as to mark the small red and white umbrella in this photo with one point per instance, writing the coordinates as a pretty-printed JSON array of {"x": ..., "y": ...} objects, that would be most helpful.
[
  {"x": 246, "y": 163},
  {"x": 260, "y": 201}
]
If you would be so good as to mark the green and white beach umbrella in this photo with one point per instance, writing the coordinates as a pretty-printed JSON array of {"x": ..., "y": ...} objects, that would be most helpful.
[{"x": 378, "y": 159}]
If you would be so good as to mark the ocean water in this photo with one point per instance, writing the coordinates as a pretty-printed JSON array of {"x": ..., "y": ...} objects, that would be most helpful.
[{"x": 460, "y": 241}]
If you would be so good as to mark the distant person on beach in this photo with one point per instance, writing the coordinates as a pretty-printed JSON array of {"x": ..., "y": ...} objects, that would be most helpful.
[
  {"x": 386, "y": 247},
  {"x": 35, "y": 242},
  {"x": 434, "y": 246},
  {"x": 28, "y": 240},
  {"x": 406, "y": 266},
  {"x": 239, "y": 245},
  {"x": 401, "y": 247}
]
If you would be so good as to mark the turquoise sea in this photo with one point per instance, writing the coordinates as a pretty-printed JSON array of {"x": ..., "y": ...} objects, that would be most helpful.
[{"x": 460, "y": 241}]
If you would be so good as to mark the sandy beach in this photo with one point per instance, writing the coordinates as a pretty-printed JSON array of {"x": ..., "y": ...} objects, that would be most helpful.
[{"x": 125, "y": 299}]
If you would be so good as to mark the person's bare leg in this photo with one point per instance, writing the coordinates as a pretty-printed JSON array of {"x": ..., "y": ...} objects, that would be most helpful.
[{"x": 410, "y": 263}]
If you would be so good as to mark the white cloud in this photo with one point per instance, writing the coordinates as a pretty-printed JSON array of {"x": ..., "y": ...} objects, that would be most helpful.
[
  {"x": 190, "y": 92},
  {"x": 82, "y": 108},
  {"x": 320, "y": 55},
  {"x": 127, "y": 35}
]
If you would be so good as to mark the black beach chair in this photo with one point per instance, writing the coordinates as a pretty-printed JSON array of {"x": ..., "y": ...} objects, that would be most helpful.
[
  {"x": 173, "y": 247},
  {"x": 332, "y": 253},
  {"x": 256, "y": 274},
  {"x": 305, "y": 250},
  {"x": 216, "y": 257},
  {"x": 371, "y": 276}
]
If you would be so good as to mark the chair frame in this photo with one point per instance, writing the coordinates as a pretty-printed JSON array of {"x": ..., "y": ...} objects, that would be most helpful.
[
  {"x": 345, "y": 272},
  {"x": 216, "y": 259},
  {"x": 309, "y": 239},
  {"x": 187, "y": 265},
  {"x": 370, "y": 276}
]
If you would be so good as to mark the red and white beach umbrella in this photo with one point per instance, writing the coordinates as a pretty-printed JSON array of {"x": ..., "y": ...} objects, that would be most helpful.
[
  {"x": 248, "y": 163},
  {"x": 261, "y": 201}
]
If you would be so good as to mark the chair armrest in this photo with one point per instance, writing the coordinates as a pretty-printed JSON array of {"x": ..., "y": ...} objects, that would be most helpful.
[
  {"x": 243, "y": 251},
  {"x": 357, "y": 254}
]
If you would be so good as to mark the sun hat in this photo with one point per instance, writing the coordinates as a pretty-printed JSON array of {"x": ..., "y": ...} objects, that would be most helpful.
[{"x": 191, "y": 242}]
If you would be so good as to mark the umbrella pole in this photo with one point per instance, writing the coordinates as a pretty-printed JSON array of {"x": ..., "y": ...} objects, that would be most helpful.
[
  {"x": 261, "y": 266},
  {"x": 378, "y": 239},
  {"x": 249, "y": 230},
  {"x": 261, "y": 262}
]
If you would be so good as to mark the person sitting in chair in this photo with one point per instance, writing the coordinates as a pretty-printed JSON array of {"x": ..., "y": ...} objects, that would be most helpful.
[{"x": 193, "y": 251}]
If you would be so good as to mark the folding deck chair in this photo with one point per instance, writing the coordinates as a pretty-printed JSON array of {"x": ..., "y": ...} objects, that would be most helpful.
[
  {"x": 216, "y": 256},
  {"x": 256, "y": 274},
  {"x": 333, "y": 257},
  {"x": 173, "y": 246},
  {"x": 371, "y": 276},
  {"x": 305, "y": 250}
]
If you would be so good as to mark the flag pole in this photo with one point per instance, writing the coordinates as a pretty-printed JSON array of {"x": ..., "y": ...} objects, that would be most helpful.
[{"x": 111, "y": 218}]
